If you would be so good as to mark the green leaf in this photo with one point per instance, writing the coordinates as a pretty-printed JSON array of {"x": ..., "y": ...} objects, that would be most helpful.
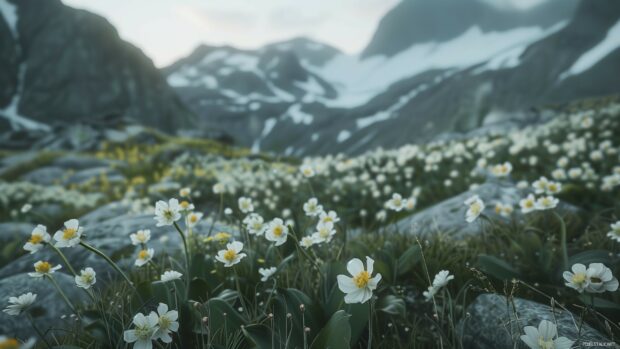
[
  {"x": 599, "y": 303},
  {"x": 591, "y": 256},
  {"x": 359, "y": 312},
  {"x": 223, "y": 319},
  {"x": 497, "y": 268},
  {"x": 392, "y": 305},
  {"x": 408, "y": 259},
  {"x": 262, "y": 336},
  {"x": 336, "y": 334},
  {"x": 199, "y": 290}
]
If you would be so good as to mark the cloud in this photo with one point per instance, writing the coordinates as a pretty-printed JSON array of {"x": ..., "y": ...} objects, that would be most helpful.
[
  {"x": 291, "y": 17},
  {"x": 219, "y": 19}
]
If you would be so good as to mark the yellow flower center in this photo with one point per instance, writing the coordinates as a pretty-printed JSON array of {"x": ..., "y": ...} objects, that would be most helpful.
[
  {"x": 579, "y": 278},
  {"x": 43, "y": 267},
  {"x": 9, "y": 343},
  {"x": 36, "y": 239},
  {"x": 193, "y": 218},
  {"x": 327, "y": 219},
  {"x": 230, "y": 255},
  {"x": 221, "y": 236},
  {"x": 277, "y": 231},
  {"x": 184, "y": 204},
  {"x": 543, "y": 344},
  {"x": 164, "y": 322},
  {"x": 168, "y": 214},
  {"x": 361, "y": 279},
  {"x": 69, "y": 233},
  {"x": 87, "y": 278},
  {"x": 529, "y": 204},
  {"x": 498, "y": 209},
  {"x": 475, "y": 208},
  {"x": 143, "y": 254}
]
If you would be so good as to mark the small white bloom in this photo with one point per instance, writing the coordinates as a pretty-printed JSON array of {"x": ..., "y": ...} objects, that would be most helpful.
[
  {"x": 140, "y": 237},
  {"x": 475, "y": 208},
  {"x": 543, "y": 337},
  {"x": 396, "y": 203},
  {"x": 167, "y": 213},
  {"x": 307, "y": 171},
  {"x": 228, "y": 211},
  {"x": 540, "y": 186},
  {"x": 231, "y": 255},
  {"x": 193, "y": 218},
  {"x": 266, "y": 273},
  {"x": 578, "y": 278},
  {"x": 144, "y": 256},
  {"x": 26, "y": 208},
  {"x": 614, "y": 233},
  {"x": 86, "y": 279},
  {"x": 167, "y": 323},
  {"x": 42, "y": 269},
  {"x": 245, "y": 204},
  {"x": 144, "y": 329},
  {"x": 312, "y": 207},
  {"x": 255, "y": 224},
  {"x": 504, "y": 210},
  {"x": 324, "y": 232},
  {"x": 18, "y": 304},
  {"x": 501, "y": 170},
  {"x": 600, "y": 279},
  {"x": 330, "y": 216},
  {"x": 306, "y": 241},
  {"x": 38, "y": 238},
  {"x": 430, "y": 293},
  {"x": 185, "y": 192},
  {"x": 546, "y": 203},
  {"x": 277, "y": 231},
  {"x": 70, "y": 235},
  {"x": 442, "y": 278},
  {"x": 528, "y": 204},
  {"x": 170, "y": 275},
  {"x": 218, "y": 188},
  {"x": 359, "y": 288}
]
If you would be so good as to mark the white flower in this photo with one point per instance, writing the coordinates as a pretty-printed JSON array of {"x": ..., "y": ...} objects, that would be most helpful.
[
  {"x": 218, "y": 188},
  {"x": 193, "y": 218},
  {"x": 543, "y": 337},
  {"x": 26, "y": 208},
  {"x": 546, "y": 203},
  {"x": 396, "y": 203},
  {"x": 142, "y": 334},
  {"x": 267, "y": 273},
  {"x": 228, "y": 211},
  {"x": 277, "y": 232},
  {"x": 578, "y": 279},
  {"x": 18, "y": 304},
  {"x": 331, "y": 216},
  {"x": 528, "y": 204},
  {"x": 614, "y": 233},
  {"x": 70, "y": 235},
  {"x": 411, "y": 203},
  {"x": 144, "y": 256},
  {"x": 324, "y": 232},
  {"x": 553, "y": 188},
  {"x": 167, "y": 322},
  {"x": 86, "y": 279},
  {"x": 306, "y": 241},
  {"x": 231, "y": 256},
  {"x": 442, "y": 278},
  {"x": 170, "y": 275},
  {"x": 42, "y": 269},
  {"x": 430, "y": 293},
  {"x": 501, "y": 170},
  {"x": 254, "y": 223},
  {"x": 312, "y": 207},
  {"x": 504, "y": 210},
  {"x": 245, "y": 204},
  {"x": 359, "y": 288},
  {"x": 140, "y": 237},
  {"x": 185, "y": 192},
  {"x": 540, "y": 186},
  {"x": 476, "y": 206},
  {"x": 307, "y": 171},
  {"x": 167, "y": 213},
  {"x": 600, "y": 279},
  {"x": 38, "y": 238}
]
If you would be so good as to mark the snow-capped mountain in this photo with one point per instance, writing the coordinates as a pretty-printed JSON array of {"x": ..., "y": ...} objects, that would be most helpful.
[
  {"x": 425, "y": 72},
  {"x": 63, "y": 65}
]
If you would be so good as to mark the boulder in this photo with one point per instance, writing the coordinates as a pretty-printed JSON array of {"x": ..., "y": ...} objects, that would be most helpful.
[
  {"x": 493, "y": 323},
  {"x": 46, "y": 310},
  {"x": 46, "y": 175}
]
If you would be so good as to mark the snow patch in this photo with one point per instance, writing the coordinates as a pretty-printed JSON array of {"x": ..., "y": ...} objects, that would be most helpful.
[
  {"x": 269, "y": 125},
  {"x": 11, "y": 113},
  {"x": 295, "y": 113},
  {"x": 311, "y": 85},
  {"x": 343, "y": 136},
  {"x": 587, "y": 60}
]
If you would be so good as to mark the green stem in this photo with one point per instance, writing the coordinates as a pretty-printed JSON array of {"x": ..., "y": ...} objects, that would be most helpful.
[
  {"x": 370, "y": 311},
  {"x": 187, "y": 257},
  {"x": 64, "y": 259},
  {"x": 64, "y": 296},
  {"x": 563, "y": 240},
  {"x": 36, "y": 329},
  {"x": 245, "y": 308},
  {"x": 107, "y": 259}
]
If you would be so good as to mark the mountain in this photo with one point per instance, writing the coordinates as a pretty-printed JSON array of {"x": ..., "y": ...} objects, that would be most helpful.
[
  {"x": 62, "y": 65},
  {"x": 424, "y": 73}
]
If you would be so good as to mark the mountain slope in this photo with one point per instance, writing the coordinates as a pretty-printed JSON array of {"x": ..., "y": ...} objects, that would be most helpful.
[{"x": 65, "y": 65}]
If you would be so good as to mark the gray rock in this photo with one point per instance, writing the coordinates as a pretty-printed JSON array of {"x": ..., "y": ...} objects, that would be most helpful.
[
  {"x": 47, "y": 309},
  {"x": 8, "y": 163},
  {"x": 11, "y": 231},
  {"x": 96, "y": 173},
  {"x": 493, "y": 323},
  {"x": 80, "y": 162}
]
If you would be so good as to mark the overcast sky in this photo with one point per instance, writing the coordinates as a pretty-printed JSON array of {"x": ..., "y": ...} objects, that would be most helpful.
[{"x": 167, "y": 30}]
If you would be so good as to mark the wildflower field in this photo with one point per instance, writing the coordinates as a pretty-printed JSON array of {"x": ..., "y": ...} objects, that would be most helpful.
[{"x": 508, "y": 238}]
